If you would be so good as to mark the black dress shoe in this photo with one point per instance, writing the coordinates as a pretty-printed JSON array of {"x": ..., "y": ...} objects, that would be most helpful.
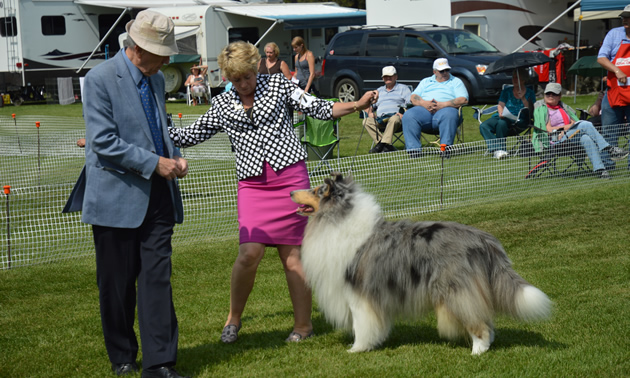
[
  {"x": 377, "y": 149},
  {"x": 389, "y": 148},
  {"x": 125, "y": 369},
  {"x": 161, "y": 372}
]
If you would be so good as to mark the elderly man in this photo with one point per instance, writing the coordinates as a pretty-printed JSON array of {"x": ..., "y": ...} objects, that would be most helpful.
[
  {"x": 437, "y": 100},
  {"x": 128, "y": 193},
  {"x": 386, "y": 114},
  {"x": 613, "y": 56}
]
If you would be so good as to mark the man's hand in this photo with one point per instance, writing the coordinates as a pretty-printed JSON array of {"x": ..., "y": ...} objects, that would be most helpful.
[
  {"x": 431, "y": 106},
  {"x": 169, "y": 168},
  {"x": 183, "y": 166}
]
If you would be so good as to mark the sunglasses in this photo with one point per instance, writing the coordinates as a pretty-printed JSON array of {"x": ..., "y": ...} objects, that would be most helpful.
[
  {"x": 445, "y": 71},
  {"x": 551, "y": 94}
]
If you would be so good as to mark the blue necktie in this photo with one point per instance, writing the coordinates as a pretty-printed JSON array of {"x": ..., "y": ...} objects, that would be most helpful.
[{"x": 149, "y": 111}]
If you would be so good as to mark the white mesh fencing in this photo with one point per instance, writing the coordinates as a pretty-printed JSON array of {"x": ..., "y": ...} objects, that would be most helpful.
[{"x": 41, "y": 166}]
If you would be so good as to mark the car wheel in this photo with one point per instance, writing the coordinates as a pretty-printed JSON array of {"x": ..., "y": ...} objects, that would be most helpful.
[
  {"x": 468, "y": 89},
  {"x": 347, "y": 90}
]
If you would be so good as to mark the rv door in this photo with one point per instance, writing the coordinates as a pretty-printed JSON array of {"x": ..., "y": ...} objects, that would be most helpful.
[{"x": 104, "y": 38}]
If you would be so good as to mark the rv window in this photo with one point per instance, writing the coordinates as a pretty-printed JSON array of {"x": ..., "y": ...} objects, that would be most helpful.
[
  {"x": 8, "y": 26},
  {"x": 347, "y": 45},
  {"x": 243, "y": 34},
  {"x": 473, "y": 28},
  {"x": 53, "y": 25},
  {"x": 382, "y": 45}
]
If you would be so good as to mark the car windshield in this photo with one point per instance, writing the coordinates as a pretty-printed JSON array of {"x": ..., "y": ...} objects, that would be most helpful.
[{"x": 455, "y": 41}]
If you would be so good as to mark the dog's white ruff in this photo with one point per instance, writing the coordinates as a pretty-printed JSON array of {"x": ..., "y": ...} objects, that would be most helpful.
[{"x": 337, "y": 249}]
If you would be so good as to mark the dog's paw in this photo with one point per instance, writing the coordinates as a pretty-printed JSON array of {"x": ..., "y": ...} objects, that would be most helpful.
[
  {"x": 480, "y": 346},
  {"x": 357, "y": 348}
]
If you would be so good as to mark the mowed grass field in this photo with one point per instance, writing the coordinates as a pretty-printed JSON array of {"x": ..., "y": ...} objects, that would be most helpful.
[{"x": 573, "y": 246}]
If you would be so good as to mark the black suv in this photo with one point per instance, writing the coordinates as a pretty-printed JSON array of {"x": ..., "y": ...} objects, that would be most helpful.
[{"x": 354, "y": 60}]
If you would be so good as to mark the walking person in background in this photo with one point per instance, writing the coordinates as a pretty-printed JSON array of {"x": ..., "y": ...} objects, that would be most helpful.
[
  {"x": 270, "y": 64},
  {"x": 612, "y": 56},
  {"x": 128, "y": 193},
  {"x": 304, "y": 65},
  {"x": 269, "y": 165}
]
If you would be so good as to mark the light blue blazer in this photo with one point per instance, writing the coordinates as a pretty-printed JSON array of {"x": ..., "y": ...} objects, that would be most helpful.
[{"x": 114, "y": 187}]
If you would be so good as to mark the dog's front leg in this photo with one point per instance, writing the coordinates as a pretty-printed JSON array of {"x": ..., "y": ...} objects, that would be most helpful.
[{"x": 369, "y": 326}]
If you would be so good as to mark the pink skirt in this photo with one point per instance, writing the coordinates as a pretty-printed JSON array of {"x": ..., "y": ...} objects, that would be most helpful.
[{"x": 266, "y": 213}]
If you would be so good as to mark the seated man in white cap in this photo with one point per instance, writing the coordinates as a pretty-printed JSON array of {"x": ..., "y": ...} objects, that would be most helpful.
[
  {"x": 384, "y": 118},
  {"x": 130, "y": 196},
  {"x": 437, "y": 100}
]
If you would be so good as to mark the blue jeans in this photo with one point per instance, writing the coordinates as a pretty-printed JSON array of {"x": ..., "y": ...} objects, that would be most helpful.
[
  {"x": 592, "y": 141},
  {"x": 495, "y": 129},
  {"x": 417, "y": 119},
  {"x": 612, "y": 118}
]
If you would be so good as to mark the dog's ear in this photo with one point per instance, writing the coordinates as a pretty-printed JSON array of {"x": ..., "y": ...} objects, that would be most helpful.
[
  {"x": 328, "y": 187},
  {"x": 336, "y": 176},
  {"x": 349, "y": 177}
]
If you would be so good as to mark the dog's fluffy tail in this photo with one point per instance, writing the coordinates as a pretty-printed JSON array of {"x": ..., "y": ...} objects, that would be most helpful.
[
  {"x": 513, "y": 295},
  {"x": 531, "y": 303}
]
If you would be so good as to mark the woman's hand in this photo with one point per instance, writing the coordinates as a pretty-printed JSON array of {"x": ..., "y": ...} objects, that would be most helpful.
[
  {"x": 519, "y": 92},
  {"x": 367, "y": 99},
  {"x": 341, "y": 109}
]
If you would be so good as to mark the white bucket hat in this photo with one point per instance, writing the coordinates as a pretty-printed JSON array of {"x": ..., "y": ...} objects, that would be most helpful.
[{"x": 153, "y": 32}]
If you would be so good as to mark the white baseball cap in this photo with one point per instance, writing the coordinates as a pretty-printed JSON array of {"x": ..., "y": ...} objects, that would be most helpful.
[
  {"x": 389, "y": 71},
  {"x": 153, "y": 32},
  {"x": 441, "y": 64},
  {"x": 626, "y": 11}
]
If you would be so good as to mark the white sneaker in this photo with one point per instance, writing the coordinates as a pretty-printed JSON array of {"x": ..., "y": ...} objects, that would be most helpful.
[{"x": 500, "y": 154}]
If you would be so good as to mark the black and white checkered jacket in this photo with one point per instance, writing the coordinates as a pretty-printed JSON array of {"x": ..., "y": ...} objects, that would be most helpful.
[{"x": 270, "y": 137}]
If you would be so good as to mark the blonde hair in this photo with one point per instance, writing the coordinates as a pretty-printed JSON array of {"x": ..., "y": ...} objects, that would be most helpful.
[
  {"x": 299, "y": 41},
  {"x": 274, "y": 47},
  {"x": 238, "y": 58}
]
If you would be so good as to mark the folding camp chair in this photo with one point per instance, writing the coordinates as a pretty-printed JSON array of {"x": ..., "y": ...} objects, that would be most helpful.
[
  {"x": 560, "y": 157},
  {"x": 397, "y": 136},
  {"x": 459, "y": 133},
  {"x": 205, "y": 95},
  {"x": 522, "y": 146},
  {"x": 320, "y": 139}
]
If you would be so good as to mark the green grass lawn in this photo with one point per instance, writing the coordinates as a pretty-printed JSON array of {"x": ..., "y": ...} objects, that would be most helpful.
[{"x": 573, "y": 247}]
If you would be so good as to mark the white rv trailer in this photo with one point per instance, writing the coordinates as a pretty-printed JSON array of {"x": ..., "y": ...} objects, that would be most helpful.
[
  {"x": 507, "y": 24},
  {"x": 59, "y": 38},
  {"x": 208, "y": 28}
]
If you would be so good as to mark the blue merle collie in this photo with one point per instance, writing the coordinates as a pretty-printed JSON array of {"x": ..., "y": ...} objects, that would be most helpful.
[{"x": 366, "y": 272}]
